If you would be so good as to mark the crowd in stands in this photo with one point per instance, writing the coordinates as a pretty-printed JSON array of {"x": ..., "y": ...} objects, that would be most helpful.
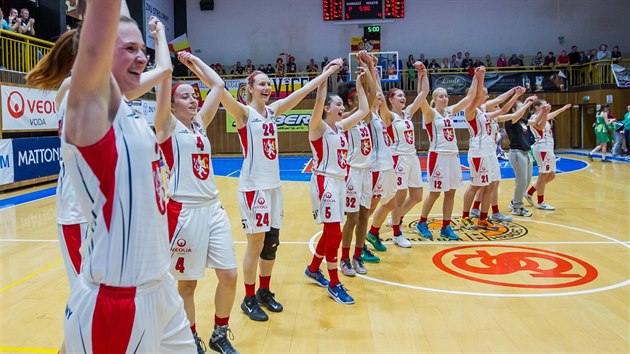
[{"x": 21, "y": 23}]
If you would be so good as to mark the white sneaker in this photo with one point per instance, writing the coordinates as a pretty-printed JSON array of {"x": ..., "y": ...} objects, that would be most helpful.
[
  {"x": 511, "y": 206},
  {"x": 402, "y": 241},
  {"x": 545, "y": 206},
  {"x": 529, "y": 199},
  {"x": 521, "y": 212},
  {"x": 500, "y": 217},
  {"x": 475, "y": 213}
]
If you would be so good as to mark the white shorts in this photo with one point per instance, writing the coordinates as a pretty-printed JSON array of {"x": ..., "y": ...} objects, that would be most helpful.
[
  {"x": 484, "y": 170},
  {"x": 408, "y": 172},
  {"x": 201, "y": 237},
  {"x": 546, "y": 161},
  {"x": 146, "y": 319},
  {"x": 328, "y": 197},
  {"x": 70, "y": 238},
  {"x": 358, "y": 189},
  {"x": 384, "y": 185},
  {"x": 260, "y": 210},
  {"x": 445, "y": 172}
]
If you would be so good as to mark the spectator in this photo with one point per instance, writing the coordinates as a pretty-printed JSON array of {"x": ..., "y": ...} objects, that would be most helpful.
[
  {"x": 342, "y": 74},
  {"x": 583, "y": 57},
  {"x": 458, "y": 61},
  {"x": 477, "y": 63},
  {"x": 615, "y": 55},
  {"x": 249, "y": 67},
  {"x": 602, "y": 53},
  {"x": 445, "y": 63},
  {"x": 515, "y": 61},
  {"x": 550, "y": 60},
  {"x": 538, "y": 59},
  {"x": 13, "y": 20},
  {"x": 453, "y": 62},
  {"x": 489, "y": 62},
  {"x": 3, "y": 23},
  {"x": 291, "y": 66},
  {"x": 325, "y": 62},
  {"x": 590, "y": 56},
  {"x": 563, "y": 59},
  {"x": 467, "y": 62},
  {"x": 270, "y": 70},
  {"x": 312, "y": 68},
  {"x": 434, "y": 65},
  {"x": 574, "y": 56},
  {"x": 27, "y": 25},
  {"x": 502, "y": 62},
  {"x": 423, "y": 60},
  {"x": 617, "y": 125},
  {"x": 411, "y": 72},
  {"x": 279, "y": 67},
  {"x": 237, "y": 69},
  {"x": 262, "y": 68},
  {"x": 522, "y": 59}
]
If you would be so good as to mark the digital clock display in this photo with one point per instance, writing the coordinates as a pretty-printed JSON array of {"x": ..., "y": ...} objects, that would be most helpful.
[{"x": 363, "y": 9}]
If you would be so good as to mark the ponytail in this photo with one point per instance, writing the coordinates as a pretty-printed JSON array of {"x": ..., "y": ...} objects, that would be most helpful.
[{"x": 55, "y": 66}]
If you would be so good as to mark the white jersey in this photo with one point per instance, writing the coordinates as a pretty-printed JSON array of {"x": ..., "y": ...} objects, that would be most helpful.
[
  {"x": 188, "y": 157},
  {"x": 259, "y": 141},
  {"x": 119, "y": 186},
  {"x": 360, "y": 152},
  {"x": 330, "y": 153},
  {"x": 402, "y": 133},
  {"x": 494, "y": 129},
  {"x": 381, "y": 142},
  {"x": 481, "y": 137},
  {"x": 544, "y": 138},
  {"x": 441, "y": 133}
]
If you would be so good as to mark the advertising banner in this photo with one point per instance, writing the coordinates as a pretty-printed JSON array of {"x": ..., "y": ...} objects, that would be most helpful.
[
  {"x": 621, "y": 74},
  {"x": 28, "y": 109},
  {"x": 498, "y": 82},
  {"x": 145, "y": 109},
  {"x": 35, "y": 157},
  {"x": 164, "y": 10},
  {"x": 295, "y": 120},
  {"x": 6, "y": 161}
]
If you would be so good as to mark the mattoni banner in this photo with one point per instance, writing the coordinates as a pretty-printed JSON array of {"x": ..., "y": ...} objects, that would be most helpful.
[
  {"x": 6, "y": 161},
  {"x": 28, "y": 109}
]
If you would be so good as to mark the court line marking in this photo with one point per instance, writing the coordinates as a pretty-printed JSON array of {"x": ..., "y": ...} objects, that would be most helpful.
[
  {"x": 32, "y": 275},
  {"x": 471, "y": 293},
  {"x": 28, "y": 350},
  {"x": 231, "y": 173}
]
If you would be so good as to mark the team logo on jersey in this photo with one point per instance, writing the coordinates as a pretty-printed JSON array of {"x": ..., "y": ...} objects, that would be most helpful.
[
  {"x": 387, "y": 139},
  {"x": 201, "y": 165},
  {"x": 366, "y": 146},
  {"x": 342, "y": 156},
  {"x": 157, "y": 184},
  {"x": 409, "y": 136},
  {"x": 449, "y": 134},
  {"x": 269, "y": 148},
  {"x": 261, "y": 200},
  {"x": 181, "y": 242}
]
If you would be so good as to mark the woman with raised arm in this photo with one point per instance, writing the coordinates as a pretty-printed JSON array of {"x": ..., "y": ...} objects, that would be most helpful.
[
  {"x": 543, "y": 151},
  {"x": 124, "y": 299},
  {"x": 485, "y": 173},
  {"x": 199, "y": 229},
  {"x": 330, "y": 148},
  {"x": 260, "y": 196},
  {"x": 408, "y": 174},
  {"x": 443, "y": 165},
  {"x": 359, "y": 179}
]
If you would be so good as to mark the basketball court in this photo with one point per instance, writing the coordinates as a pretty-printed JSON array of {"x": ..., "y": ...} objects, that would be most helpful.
[{"x": 555, "y": 282}]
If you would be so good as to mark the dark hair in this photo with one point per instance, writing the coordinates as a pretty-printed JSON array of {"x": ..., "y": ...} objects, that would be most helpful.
[
  {"x": 345, "y": 91},
  {"x": 329, "y": 98}
]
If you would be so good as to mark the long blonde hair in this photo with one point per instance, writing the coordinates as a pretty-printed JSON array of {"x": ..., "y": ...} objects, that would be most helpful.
[
  {"x": 434, "y": 95},
  {"x": 250, "y": 83}
]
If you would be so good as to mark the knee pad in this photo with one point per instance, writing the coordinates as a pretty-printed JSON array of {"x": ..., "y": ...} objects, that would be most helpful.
[{"x": 270, "y": 246}]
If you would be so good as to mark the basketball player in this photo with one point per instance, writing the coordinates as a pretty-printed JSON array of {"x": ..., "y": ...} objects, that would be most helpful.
[
  {"x": 328, "y": 188},
  {"x": 199, "y": 229},
  {"x": 408, "y": 174},
  {"x": 359, "y": 179},
  {"x": 443, "y": 166},
  {"x": 124, "y": 299},
  {"x": 543, "y": 151},
  {"x": 260, "y": 197}
]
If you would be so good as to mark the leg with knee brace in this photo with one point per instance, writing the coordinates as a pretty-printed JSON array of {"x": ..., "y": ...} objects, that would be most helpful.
[
  {"x": 270, "y": 246},
  {"x": 333, "y": 239}
]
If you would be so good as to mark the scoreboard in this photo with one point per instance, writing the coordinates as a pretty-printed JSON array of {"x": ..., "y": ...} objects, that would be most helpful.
[{"x": 348, "y": 10}]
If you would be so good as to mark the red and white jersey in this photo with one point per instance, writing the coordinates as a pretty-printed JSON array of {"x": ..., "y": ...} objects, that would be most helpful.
[
  {"x": 360, "y": 152},
  {"x": 401, "y": 132},
  {"x": 119, "y": 186},
  {"x": 481, "y": 137},
  {"x": 441, "y": 133},
  {"x": 68, "y": 208},
  {"x": 330, "y": 153},
  {"x": 494, "y": 128},
  {"x": 259, "y": 141},
  {"x": 188, "y": 157},
  {"x": 381, "y": 142},
  {"x": 544, "y": 138}
]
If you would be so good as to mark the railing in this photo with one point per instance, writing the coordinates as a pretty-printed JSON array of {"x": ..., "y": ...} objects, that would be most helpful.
[{"x": 19, "y": 52}]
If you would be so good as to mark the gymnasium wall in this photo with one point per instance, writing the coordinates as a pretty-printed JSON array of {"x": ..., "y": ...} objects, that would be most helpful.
[{"x": 241, "y": 29}]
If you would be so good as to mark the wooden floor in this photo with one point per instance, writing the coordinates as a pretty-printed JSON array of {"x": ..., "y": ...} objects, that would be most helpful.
[{"x": 515, "y": 291}]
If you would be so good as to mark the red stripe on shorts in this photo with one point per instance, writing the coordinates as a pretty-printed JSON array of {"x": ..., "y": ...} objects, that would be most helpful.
[{"x": 113, "y": 319}]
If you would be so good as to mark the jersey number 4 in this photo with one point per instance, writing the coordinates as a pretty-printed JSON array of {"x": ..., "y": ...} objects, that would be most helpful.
[{"x": 179, "y": 265}]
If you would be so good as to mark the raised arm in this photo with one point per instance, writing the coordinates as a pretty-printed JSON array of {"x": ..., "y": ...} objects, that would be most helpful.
[
  {"x": 456, "y": 108},
  {"x": 211, "y": 79},
  {"x": 514, "y": 117},
  {"x": 163, "y": 67},
  {"x": 555, "y": 113},
  {"x": 285, "y": 104},
  {"x": 370, "y": 82},
  {"x": 538, "y": 121},
  {"x": 422, "y": 90},
  {"x": 91, "y": 88},
  {"x": 234, "y": 108},
  {"x": 316, "y": 126},
  {"x": 518, "y": 92},
  {"x": 164, "y": 123},
  {"x": 471, "y": 109},
  {"x": 501, "y": 98},
  {"x": 363, "y": 108}
]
